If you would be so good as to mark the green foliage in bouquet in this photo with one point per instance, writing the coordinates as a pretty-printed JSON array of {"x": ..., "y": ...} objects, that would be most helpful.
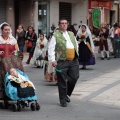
[{"x": 18, "y": 54}]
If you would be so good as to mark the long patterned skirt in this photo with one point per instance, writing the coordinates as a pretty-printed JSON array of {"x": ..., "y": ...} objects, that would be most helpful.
[
  {"x": 85, "y": 55},
  {"x": 50, "y": 75}
]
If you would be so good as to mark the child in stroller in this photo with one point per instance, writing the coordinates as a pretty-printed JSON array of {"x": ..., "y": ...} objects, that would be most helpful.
[
  {"x": 18, "y": 87},
  {"x": 18, "y": 80}
]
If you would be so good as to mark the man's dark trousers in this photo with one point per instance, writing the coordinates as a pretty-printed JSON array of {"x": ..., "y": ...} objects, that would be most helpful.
[{"x": 67, "y": 78}]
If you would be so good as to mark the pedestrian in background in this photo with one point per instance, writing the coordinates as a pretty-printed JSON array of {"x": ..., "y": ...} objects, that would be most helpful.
[
  {"x": 103, "y": 35},
  {"x": 20, "y": 36},
  {"x": 40, "y": 51},
  {"x": 63, "y": 53},
  {"x": 116, "y": 41},
  {"x": 31, "y": 38},
  {"x": 52, "y": 29}
]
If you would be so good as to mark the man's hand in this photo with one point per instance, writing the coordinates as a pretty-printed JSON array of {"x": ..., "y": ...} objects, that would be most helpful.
[
  {"x": 54, "y": 63},
  {"x": 1, "y": 52}
]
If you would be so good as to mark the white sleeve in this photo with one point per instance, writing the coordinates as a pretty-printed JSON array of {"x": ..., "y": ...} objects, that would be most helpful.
[
  {"x": 51, "y": 49},
  {"x": 76, "y": 43}
]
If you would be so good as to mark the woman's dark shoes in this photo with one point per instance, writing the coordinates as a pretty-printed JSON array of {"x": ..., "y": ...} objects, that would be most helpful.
[
  {"x": 108, "y": 58},
  {"x": 83, "y": 68}
]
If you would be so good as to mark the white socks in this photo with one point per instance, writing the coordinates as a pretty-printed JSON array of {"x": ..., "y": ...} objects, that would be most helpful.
[
  {"x": 107, "y": 54},
  {"x": 102, "y": 54}
]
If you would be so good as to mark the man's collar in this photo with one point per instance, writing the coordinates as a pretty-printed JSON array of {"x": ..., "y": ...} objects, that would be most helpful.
[{"x": 63, "y": 31}]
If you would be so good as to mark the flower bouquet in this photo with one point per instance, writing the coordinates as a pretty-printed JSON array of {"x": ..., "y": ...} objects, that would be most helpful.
[
  {"x": 46, "y": 58},
  {"x": 18, "y": 54},
  {"x": 41, "y": 45},
  {"x": 83, "y": 38}
]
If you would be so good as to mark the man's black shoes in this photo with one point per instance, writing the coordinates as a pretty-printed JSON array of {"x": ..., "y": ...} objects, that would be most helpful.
[
  {"x": 67, "y": 99},
  {"x": 63, "y": 104}
]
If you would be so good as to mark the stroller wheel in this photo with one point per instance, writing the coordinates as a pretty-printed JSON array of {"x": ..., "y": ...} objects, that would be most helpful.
[
  {"x": 6, "y": 104},
  {"x": 2, "y": 106},
  {"x": 14, "y": 107},
  {"x": 32, "y": 106},
  {"x": 19, "y": 107},
  {"x": 37, "y": 106}
]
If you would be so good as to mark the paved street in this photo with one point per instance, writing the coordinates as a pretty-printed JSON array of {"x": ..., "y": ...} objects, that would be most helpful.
[{"x": 96, "y": 96}]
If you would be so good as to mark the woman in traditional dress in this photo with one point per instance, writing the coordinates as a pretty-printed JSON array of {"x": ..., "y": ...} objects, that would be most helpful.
[
  {"x": 86, "y": 47},
  {"x": 49, "y": 70},
  {"x": 31, "y": 37},
  {"x": 8, "y": 44},
  {"x": 40, "y": 51}
]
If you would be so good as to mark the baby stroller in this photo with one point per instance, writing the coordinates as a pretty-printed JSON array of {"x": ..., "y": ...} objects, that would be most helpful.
[{"x": 13, "y": 97}]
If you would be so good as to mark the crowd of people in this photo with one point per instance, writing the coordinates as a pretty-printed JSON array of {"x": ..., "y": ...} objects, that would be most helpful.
[
  {"x": 63, "y": 51},
  {"x": 108, "y": 39}
]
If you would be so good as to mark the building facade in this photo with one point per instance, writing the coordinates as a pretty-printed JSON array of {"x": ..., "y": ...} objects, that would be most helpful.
[
  {"x": 41, "y": 14},
  {"x": 109, "y": 10}
]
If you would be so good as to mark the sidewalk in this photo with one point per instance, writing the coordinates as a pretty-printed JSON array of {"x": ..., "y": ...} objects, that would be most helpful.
[{"x": 104, "y": 89}]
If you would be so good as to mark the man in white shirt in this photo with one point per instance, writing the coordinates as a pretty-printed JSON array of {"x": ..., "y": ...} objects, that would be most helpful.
[{"x": 63, "y": 53}]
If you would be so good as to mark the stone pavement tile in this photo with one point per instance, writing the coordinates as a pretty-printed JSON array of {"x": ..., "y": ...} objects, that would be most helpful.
[
  {"x": 113, "y": 90},
  {"x": 103, "y": 96},
  {"x": 82, "y": 86},
  {"x": 108, "y": 75},
  {"x": 99, "y": 99},
  {"x": 86, "y": 89},
  {"x": 107, "y": 102},
  {"x": 91, "y": 118},
  {"x": 117, "y": 76},
  {"x": 117, "y": 104},
  {"x": 116, "y": 71},
  {"x": 80, "y": 95},
  {"x": 94, "y": 87},
  {"x": 111, "y": 96},
  {"x": 96, "y": 80},
  {"x": 109, "y": 81}
]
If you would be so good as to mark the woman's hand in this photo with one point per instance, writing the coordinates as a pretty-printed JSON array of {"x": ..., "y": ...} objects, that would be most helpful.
[{"x": 1, "y": 52}]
